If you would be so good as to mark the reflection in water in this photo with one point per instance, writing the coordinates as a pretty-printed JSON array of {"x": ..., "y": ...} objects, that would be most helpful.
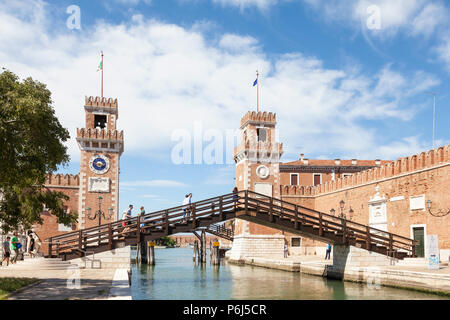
[{"x": 175, "y": 276}]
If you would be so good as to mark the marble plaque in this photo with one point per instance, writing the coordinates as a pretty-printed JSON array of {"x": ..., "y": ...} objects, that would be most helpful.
[{"x": 98, "y": 184}]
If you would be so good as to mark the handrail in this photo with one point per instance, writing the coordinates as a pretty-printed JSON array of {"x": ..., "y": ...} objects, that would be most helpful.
[{"x": 163, "y": 219}]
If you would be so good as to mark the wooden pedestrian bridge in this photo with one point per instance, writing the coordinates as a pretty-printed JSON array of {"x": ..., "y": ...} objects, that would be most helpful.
[{"x": 208, "y": 214}]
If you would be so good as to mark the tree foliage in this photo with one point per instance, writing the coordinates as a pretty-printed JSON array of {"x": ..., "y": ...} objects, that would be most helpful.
[{"x": 31, "y": 146}]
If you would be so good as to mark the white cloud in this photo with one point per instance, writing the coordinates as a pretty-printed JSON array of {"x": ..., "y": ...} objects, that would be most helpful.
[
  {"x": 153, "y": 183},
  {"x": 443, "y": 51},
  {"x": 166, "y": 77},
  {"x": 242, "y": 4},
  {"x": 429, "y": 19}
]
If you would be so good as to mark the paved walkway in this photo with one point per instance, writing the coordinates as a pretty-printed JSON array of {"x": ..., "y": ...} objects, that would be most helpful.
[
  {"x": 93, "y": 283},
  {"x": 444, "y": 268}
]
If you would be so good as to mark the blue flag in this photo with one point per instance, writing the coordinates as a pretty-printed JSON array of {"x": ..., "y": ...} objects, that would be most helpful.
[{"x": 256, "y": 81}]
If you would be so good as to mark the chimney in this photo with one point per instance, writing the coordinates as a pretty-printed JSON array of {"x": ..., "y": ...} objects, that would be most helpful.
[
  {"x": 354, "y": 162},
  {"x": 301, "y": 156},
  {"x": 337, "y": 161}
]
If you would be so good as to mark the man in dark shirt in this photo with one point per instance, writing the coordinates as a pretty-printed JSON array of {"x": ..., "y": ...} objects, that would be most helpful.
[{"x": 6, "y": 251}]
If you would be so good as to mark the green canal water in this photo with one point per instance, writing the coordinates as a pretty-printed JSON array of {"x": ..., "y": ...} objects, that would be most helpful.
[{"x": 175, "y": 276}]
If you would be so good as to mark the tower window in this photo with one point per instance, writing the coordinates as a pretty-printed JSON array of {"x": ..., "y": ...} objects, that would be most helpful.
[
  {"x": 262, "y": 134},
  {"x": 100, "y": 121}
]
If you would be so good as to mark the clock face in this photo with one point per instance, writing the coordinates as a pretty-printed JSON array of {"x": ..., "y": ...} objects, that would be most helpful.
[
  {"x": 99, "y": 164},
  {"x": 262, "y": 172}
]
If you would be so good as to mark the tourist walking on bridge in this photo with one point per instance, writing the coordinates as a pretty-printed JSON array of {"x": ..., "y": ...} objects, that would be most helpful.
[
  {"x": 142, "y": 215},
  {"x": 6, "y": 251}
]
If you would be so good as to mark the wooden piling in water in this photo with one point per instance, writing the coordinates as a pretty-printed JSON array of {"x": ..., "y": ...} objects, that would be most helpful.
[
  {"x": 195, "y": 255},
  {"x": 151, "y": 253},
  {"x": 215, "y": 258},
  {"x": 203, "y": 247}
]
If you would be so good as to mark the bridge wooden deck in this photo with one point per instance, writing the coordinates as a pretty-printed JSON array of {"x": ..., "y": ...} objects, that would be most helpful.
[{"x": 246, "y": 205}]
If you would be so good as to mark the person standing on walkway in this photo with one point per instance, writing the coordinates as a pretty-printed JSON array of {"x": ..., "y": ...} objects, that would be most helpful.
[
  {"x": 15, "y": 245},
  {"x": 30, "y": 244},
  {"x": 6, "y": 251},
  {"x": 328, "y": 252},
  {"x": 286, "y": 251}
]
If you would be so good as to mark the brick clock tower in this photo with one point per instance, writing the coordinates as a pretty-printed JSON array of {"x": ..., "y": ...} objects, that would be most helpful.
[
  {"x": 257, "y": 160},
  {"x": 101, "y": 146}
]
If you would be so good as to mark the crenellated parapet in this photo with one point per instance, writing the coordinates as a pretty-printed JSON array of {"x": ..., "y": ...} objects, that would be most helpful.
[
  {"x": 96, "y": 139},
  {"x": 289, "y": 190},
  {"x": 423, "y": 160},
  {"x": 100, "y": 134},
  {"x": 62, "y": 180},
  {"x": 261, "y": 116},
  {"x": 101, "y": 104}
]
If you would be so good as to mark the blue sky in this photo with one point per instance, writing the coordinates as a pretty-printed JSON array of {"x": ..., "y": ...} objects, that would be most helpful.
[{"x": 341, "y": 87}]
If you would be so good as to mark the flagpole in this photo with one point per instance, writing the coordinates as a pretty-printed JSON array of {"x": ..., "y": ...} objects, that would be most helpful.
[
  {"x": 257, "y": 91},
  {"x": 102, "y": 74}
]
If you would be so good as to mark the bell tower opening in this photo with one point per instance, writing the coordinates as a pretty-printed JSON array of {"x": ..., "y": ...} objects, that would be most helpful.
[{"x": 100, "y": 121}]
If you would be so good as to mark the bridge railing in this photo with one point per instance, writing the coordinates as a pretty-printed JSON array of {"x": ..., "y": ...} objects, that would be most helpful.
[
  {"x": 243, "y": 201},
  {"x": 326, "y": 222},
  {"x": 159, "y": 220}
]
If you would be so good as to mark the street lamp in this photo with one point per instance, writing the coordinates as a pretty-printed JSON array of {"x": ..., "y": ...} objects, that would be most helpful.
[
  {"x": 350, "y": 212},
  {"x": 341, "y": 205},
  {"x": 99, "y": 213}
]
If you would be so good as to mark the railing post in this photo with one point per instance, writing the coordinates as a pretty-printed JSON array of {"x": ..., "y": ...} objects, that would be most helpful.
[
  {"x": 271, "y": 210},
  {"x": 296, "y": 218},
  {"x": 368, "y": 238},
  {"x": 110, "y": 237},
  {"x": 50, "y": 248},
  {"x": 246, "y": 201},
  {"x": 166, "y": 213},
  {"x": 413, "y": 248},
  {"x": 344, "y": 231},
  {"x": 57, "y": 249},
  {"x": 391, "y": 244},
  {"x": 80, "y": 240},
  {"x": 320, "y": 224},
  {"x": 194, "y": 215},
  {"x": 222, "y": 217},
  {"x": 138, "y": 229}
]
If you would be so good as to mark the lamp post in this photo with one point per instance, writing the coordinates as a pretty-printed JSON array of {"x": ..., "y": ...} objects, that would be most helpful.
[
  {"x": 341, "y": 206},
  {"x": 99, "y": 213}
]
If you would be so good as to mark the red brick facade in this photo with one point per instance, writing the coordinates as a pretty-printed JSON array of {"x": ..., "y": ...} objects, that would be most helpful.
[
  {"x": 400, "y": 184},
  {"x": 99, "y": 140}
]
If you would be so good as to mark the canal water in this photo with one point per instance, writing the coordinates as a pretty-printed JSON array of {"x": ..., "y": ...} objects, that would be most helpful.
[{"x": 175, "y": 276}]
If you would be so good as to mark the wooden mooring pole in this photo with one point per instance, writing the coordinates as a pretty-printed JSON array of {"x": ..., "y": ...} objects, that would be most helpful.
[
  {"x": 151, "y": 253},
  {"x": 195, "y": 255},
  {"x": 203, "y": 246},
  {"x": 215, "y": 258}
]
